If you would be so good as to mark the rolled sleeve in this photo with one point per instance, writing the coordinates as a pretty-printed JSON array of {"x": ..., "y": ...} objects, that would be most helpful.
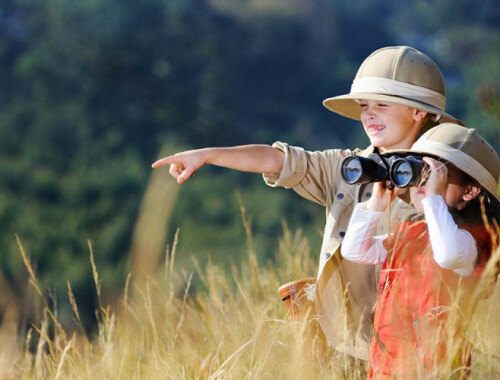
[
  {"x": 313, "y": 175},
  {"x": 294, "y": 167}
]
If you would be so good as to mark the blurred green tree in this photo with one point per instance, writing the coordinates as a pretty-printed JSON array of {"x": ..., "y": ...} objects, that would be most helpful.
[{"x": 92, "y": 90}]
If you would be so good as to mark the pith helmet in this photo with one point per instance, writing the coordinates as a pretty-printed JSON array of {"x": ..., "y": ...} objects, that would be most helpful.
[
  {"x": 395, "y": 74},
  {"x": 464, "y": 148}
]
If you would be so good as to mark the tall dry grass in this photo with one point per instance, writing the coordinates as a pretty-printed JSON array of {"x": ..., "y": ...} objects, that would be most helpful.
[{"x": 233, "y": 326}]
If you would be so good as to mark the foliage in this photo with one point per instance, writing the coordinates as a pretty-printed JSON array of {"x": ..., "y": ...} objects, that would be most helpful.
[{"x": 92, "y": 90}]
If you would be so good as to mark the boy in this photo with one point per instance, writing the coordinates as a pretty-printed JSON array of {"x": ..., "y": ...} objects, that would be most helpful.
[{"x": 397, "y": 94}]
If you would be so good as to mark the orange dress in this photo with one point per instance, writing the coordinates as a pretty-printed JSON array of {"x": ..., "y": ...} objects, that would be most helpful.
[{"x": 422, "y": 308}]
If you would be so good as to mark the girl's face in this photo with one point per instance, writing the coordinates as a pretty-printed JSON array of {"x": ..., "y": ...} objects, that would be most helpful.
[
  {"x": 390, "y": 125},
  {"x": 454, "y": 192}
]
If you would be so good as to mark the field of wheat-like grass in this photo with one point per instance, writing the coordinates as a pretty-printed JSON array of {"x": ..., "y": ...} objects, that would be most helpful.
[{"x": 233, "y": 326}]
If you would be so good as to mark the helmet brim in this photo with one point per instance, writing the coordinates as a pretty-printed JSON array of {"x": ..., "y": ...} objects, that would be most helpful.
[{"x": 347, "y": 105}]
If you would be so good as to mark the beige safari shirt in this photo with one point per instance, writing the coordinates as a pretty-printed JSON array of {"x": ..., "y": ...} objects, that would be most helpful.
[{"x": 345, "y": 291}]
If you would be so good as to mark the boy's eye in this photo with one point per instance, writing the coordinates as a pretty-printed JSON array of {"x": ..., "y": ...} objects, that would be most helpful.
[{"x": 382, "y": 104}]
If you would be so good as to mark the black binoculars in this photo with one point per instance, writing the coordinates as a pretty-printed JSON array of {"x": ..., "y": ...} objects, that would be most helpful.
[{"x": 401, "y": 171}]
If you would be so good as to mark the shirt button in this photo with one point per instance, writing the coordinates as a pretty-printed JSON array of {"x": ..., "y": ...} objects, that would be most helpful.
[
  {"x": 340, "y": 196},
  {"x": 368, "y": 194},
  {"x": 341, "y": 234},
  {"x": 328, "y": 255}
]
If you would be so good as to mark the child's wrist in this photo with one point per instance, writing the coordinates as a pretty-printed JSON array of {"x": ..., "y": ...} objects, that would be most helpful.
[
  {"x": 375, "y": 205},
  {"x": 432, "y": 193}
]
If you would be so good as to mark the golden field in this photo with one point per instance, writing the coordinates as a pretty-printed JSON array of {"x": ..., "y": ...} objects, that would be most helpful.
[{"x": 233, "y": 327}]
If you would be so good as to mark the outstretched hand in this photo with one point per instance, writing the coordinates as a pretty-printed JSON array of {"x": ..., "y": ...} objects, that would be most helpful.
[
  {"x": 182, "y": 165},
  {"x": 253, "y": 158}
]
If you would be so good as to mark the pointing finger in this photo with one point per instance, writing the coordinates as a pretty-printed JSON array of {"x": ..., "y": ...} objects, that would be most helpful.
[{"x": 165, "y": 161}]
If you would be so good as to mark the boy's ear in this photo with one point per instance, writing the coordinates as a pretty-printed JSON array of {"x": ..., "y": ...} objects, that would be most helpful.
[
  {"x": 419, "y": 114},
  {"x": 471, "y": 192}
]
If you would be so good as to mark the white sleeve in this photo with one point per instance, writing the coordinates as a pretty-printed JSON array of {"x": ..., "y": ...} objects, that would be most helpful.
[
  {"x": 359, "y": 244},
  {"x": 452, "y": 247}
]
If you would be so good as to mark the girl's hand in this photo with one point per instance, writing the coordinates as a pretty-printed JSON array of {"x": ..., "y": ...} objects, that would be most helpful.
[
  {"x": 382, "y": 194},
  {"x": 438, "y": 178}
]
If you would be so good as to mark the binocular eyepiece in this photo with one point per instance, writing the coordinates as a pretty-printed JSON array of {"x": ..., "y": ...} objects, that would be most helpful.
[{"x": 401, "y": 171}]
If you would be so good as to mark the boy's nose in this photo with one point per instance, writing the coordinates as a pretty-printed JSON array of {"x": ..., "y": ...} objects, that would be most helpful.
[
  {"x": 369, "y": 114},
  {"x": 367, "y": 110}
]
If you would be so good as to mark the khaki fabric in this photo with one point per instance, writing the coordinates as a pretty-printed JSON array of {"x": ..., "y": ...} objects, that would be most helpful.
[
  {"x": 465, "y": 149},
  {"x": 396, "y": 74},
  {"x": 345, "y": 292}
]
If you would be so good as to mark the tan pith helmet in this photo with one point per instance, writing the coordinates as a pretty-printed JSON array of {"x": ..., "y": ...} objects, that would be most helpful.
[
  {"x": 395, "y": 74},
  {"x": 464, "y": 148}
]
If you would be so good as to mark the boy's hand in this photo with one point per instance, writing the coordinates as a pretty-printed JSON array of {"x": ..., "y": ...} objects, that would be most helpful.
[
  {"x": 183, "y": 165},
  {"x": 255, "y": 158},
  {"x": 382, "y": 195},
  {"x": 438, "y": 178}
]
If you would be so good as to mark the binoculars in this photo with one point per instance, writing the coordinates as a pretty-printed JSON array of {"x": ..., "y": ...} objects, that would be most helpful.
[{"x": 401, "y": 171}]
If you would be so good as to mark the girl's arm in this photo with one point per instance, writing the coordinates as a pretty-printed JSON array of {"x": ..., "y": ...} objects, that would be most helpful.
[
  {"x": 453, "y": 248},
  {"x": 360, "y": 244}
]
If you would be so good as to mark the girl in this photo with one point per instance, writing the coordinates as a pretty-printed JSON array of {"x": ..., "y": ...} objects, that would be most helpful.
[{"x": 431, "y": 266}]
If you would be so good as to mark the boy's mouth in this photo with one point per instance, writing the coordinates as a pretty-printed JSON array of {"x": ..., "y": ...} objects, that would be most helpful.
[{"x": 375, "y": 129}]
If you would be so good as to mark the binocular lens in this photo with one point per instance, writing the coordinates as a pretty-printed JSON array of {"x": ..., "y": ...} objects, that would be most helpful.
[
  {"x": 402, "y": 173},
  {"x": 358, "y": 169},
  {"x": 351, "y": 170},
  {"x": 407, "y": 171}
]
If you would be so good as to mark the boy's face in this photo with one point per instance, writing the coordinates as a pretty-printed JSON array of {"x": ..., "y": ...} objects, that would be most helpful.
[{"x": 390, "y": 125}]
